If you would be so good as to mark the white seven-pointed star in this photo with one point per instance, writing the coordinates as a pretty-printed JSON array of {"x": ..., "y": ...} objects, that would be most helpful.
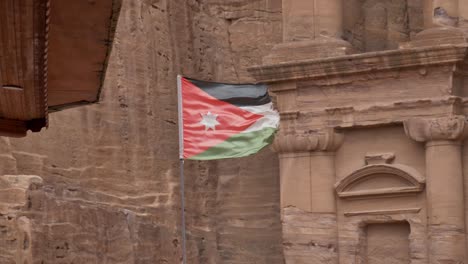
[{"x": 209, "y": 121}]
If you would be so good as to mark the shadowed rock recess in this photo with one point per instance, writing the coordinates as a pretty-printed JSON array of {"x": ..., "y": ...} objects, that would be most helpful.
[{"x": 101, "y": 185}]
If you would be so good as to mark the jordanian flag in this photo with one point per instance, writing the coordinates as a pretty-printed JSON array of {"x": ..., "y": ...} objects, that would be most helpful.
[{"x": 219, "y": 121}]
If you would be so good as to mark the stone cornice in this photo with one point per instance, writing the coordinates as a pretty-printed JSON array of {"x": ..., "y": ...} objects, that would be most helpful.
[
  {"x": 375, "y": 115},
  {"x": 441, "y": 128},
  {"x": 359, "y": 63},
  {"x": 384, "y": 212},
  {"x": 293, "y": 142}
]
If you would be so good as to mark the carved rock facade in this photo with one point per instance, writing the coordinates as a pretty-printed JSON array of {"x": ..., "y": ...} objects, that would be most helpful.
[{"x": 381, "y": 177}]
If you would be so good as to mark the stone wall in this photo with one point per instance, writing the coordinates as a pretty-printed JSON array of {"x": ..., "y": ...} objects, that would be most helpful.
[
  {"x": 110, "y": 190},
  {"x": 373, "y": 25}
]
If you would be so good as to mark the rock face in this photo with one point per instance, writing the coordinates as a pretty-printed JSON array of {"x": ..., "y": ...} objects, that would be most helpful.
[
  {"x": 370, "y": 163},
  {"x": 15, "y": 224},
  {"x": 110, "y": 190}
]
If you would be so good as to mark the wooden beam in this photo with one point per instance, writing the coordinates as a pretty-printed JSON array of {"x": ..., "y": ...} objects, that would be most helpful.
[
  {"x": 80, "y": 40},
  {"x": 23, "y": 33},
  {"x": 13, "y": 128}
]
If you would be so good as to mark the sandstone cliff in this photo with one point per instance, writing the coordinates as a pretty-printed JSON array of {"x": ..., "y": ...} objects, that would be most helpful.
[{"x": 110, "y": 191}]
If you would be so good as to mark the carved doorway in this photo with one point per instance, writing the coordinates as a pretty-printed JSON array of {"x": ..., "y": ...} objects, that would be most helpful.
[{"x": 388, "y": 243}]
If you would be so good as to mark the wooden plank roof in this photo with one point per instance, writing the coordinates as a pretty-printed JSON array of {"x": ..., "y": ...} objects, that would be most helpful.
[{"x": 53, "y": 55}]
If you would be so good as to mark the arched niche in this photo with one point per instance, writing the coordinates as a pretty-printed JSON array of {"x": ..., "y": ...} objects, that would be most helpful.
[{"x": 380, "y": 180}]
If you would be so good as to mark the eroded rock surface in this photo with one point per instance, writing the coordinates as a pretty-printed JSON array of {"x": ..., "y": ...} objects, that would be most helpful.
[{"x": 110, "y": 189}]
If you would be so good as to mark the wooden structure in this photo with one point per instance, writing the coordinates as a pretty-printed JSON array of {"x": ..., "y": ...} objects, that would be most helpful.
[{"x": 53, "y": 55}]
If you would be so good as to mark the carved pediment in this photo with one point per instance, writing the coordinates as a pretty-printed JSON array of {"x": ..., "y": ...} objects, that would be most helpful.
[{"x": 380, "y": 180}]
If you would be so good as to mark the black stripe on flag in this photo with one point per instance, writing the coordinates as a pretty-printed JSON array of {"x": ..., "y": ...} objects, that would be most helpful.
[{"x": 236, "y": 94}]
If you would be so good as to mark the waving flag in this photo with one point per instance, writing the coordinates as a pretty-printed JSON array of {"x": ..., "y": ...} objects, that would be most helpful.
[{"x": 218, "y": 121}]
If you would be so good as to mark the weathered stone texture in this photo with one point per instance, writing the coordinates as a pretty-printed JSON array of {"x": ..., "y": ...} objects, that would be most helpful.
[
  {"x": 397, "y": 182},
  {"x": 373, "y": 25},
  {"x": 16, "y": 228},
  {"x": 309, "y": 237},
  {"x": 110, "y": 171}
]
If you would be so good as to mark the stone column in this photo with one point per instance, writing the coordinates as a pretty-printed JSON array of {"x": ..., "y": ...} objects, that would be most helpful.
[
  {"x": 308, "y": 205},
  {"x": 310, "y": 19},
  {"x": 444, "y": 187},
  {"x": 313, "y": 29},
  {"x": 463, "y": 13}
]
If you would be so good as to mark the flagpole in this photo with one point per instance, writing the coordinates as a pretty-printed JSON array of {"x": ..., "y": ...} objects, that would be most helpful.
[
  {"x": 182, "y": 197},
  {"x": 181, "y": 159}
]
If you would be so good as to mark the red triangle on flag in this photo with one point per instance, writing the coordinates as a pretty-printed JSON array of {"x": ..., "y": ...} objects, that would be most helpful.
[{"x": 208, "y": 121}]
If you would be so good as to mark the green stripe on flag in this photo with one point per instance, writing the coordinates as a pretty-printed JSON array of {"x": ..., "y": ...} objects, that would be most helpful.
[{"x": 239, "y": 145}]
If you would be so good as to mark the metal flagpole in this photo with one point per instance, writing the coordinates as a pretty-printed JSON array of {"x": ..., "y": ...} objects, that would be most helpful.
[
  {"x": 182, "y": 197},
  {"x": 181, "y": 158}
]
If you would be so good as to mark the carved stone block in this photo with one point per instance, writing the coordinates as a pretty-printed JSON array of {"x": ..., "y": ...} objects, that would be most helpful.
[
  {"x": 326, "y": 140},
  {"x": 441, "y": 128}
]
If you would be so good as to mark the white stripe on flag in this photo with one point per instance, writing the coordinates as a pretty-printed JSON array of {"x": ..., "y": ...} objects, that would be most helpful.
[{"x": 270, "y": 117}]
